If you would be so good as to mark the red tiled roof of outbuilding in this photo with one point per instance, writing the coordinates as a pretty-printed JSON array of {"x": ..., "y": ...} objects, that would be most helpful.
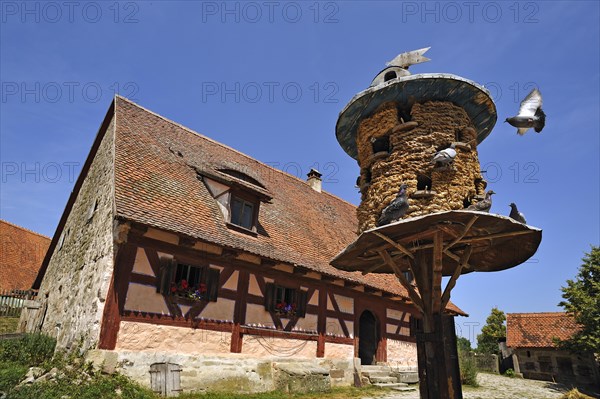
[
  {"x": 21, "y": 254},
  {"x": 538, "y": 330}
]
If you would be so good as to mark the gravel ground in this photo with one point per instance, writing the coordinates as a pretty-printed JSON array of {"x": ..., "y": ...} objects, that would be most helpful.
[{"x": 498, "y": 387}]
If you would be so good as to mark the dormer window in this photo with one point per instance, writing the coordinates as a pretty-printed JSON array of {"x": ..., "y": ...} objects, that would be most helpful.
[
  {"x": 242, "y": 212},
  {"x": 238, "y": 197}
]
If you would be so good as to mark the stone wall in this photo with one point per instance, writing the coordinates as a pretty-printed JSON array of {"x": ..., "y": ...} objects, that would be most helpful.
[
  {"x": 80, "y": 269},
  {"x": 433, "y": 126},
  {"x": 557, "y": 365},
  {"x": 402, "y": 355},
  {"x": 230, "y": 373}
]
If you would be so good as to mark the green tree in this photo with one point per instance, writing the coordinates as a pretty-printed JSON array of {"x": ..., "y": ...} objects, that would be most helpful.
[
  {"x": 463, "y": 344},
  {"x": 582, "y": 301},
  {"x": 494, "y": 329}
]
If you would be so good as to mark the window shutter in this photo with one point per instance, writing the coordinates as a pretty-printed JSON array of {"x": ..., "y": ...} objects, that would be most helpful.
[
  {"x": 167, "y": 266},
  {"x": 212, "y": 284},
  {"x": 302, "y": 299},
  {"x": 270, "y": 296}
]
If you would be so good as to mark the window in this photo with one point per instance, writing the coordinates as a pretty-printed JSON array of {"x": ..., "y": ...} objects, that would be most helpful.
[
  {"x": 196, "y": 283},
  {"x": 381, "y": 144},
  {"x": 242, "y": 212},
  {"x": 284, "y": 301},
  {"x": 389, "y": 76},
  {"x": 416, "y": 326}
]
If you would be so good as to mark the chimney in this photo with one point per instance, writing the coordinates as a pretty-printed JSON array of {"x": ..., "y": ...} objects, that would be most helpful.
[{"x": 314, "y": 180}]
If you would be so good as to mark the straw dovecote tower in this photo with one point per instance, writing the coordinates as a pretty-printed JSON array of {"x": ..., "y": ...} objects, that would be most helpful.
[{"x": 394, "y": 128}]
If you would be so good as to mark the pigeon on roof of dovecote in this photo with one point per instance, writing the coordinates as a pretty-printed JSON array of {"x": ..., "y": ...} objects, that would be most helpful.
[
  {"x": 396, "y": 209},
  {"x": 484, "y": 205},
  {"x": 516, "y": 215}
]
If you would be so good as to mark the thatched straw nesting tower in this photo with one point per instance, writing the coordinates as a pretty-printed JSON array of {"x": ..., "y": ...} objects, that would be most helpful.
[{"x": 394, "y": 128}]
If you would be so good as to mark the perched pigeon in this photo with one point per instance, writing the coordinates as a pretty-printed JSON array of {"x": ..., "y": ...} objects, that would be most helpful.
[
  {"x": 445, "y": 157},
  {"x": 396, "y": 209},
  {"x": 516, "y": 215},
  {"x": 530, "y": 114},
  {"x": 484, "y": 205}
]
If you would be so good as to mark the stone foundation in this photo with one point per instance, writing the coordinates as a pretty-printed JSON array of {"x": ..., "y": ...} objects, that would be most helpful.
[{"x": 232, "y": 372}]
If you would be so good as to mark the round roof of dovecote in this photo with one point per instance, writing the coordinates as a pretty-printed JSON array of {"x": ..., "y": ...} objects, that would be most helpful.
[{"x": 407, "y": 90}]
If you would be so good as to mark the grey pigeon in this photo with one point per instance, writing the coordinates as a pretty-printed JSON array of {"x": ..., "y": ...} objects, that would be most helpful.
[
  {"x": 530, "y": 114},
  {"x": 444, "y": 157},
  {"x": 484, "y": 205},
  {"x": 396, "y": 209},
  {"x": 516, "y": 215}
]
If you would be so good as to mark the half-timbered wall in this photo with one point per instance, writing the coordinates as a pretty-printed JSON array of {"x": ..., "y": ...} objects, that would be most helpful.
[{"x": 238, "y": 322}]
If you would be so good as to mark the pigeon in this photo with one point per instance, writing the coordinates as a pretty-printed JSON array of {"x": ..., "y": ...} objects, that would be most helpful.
[
  {"x": 445, "y": 157},
  {"x": 530, "y": 114},
  {"x": 484, "y": 205},
  {"x": 396, "y": 209},
  {"x": 516, "y": 215}
]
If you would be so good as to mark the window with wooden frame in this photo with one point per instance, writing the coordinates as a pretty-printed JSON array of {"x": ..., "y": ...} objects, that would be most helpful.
[
  {"x": 416, "y": 326},
  {"x": 284, "y": 301},
  {"x": 243, "y": 211},
  {"x": 189, "y": 282}
]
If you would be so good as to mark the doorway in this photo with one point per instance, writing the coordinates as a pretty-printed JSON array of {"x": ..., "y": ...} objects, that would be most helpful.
[{"x": 368, "y": 337}]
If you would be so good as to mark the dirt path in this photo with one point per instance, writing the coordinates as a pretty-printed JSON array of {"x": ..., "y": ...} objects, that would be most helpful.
[{"x": 498, "y": 387}]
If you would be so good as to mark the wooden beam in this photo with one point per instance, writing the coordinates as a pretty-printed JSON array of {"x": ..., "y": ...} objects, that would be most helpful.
[
  {"x": 394, "y": 244},
  {"x": 498, "y": 235},
  {"x": 371, "y": 269},
  {"x": 464, "y": 259},
  {"x": 414, "y": 296},
  {"x": 412, "y": 237},
  {"x": 438, "y": 254},
  {"x": 464, "y": 232}
]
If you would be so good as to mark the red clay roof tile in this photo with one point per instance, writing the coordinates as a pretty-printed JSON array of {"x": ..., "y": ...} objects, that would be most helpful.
[
  {"x": 537, "y": 330},
  {"x": 156, "y": 166},
  {"x": 21, "y": 254}
]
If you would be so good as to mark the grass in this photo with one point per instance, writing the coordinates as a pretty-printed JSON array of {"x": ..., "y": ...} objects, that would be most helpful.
[
  {"x": 8, "y": 324},
  {"x": 107, "y": 386}
]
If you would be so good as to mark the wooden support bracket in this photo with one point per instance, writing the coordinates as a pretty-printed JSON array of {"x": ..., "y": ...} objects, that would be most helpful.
[
  {"x": 464, "y": 259},
  {"x": 414, "y": 296},
  {"x": 393, "y": 243}
]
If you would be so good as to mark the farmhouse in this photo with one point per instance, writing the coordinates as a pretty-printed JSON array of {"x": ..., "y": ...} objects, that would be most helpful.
[
  {"x": 178, "y": 258},
  {"x": 530, "y": 339}
]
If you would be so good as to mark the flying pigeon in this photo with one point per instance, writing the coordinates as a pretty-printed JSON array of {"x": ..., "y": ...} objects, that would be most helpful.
[
  {"x": 396, "y": 209},
  {"x": 445, "y": 157},
  {"x": 516, "y": 215},
  {"x": 530, "y": 114},
  {"x": 484, "y": 205}
]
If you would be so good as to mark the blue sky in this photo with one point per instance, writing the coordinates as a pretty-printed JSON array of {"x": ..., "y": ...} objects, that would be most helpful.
[{"x": 269, "y": 79}]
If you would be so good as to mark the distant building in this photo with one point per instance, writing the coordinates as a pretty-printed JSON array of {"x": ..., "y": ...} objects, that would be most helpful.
[
  {"x": 21, "y": 254},
  {"x": 530, "y": 341},
  {"x": 182, "y": 259}
]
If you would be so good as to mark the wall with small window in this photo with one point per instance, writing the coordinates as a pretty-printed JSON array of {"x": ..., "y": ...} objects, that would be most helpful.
[{"x": 557, "y": 365}]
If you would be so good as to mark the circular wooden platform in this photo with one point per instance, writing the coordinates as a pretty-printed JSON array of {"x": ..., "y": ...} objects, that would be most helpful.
[{"x": 494, "y": 242}]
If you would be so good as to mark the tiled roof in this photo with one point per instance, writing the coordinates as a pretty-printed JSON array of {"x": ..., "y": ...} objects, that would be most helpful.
[
  {"x": 21, "y": 255},
  {"x": 537, "y": 330},
  {"x": 156, "y": 165}
]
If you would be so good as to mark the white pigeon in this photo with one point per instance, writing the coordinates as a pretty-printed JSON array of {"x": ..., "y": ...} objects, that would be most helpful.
[
  {"x": 445, "y": 157},
  {"x": 530, "y": 114}
]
